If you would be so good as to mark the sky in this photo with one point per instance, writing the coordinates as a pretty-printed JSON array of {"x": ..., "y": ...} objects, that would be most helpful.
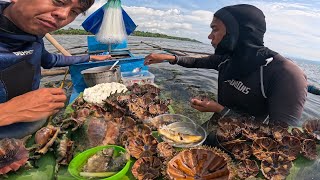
[{"x": 293, "y": 26}]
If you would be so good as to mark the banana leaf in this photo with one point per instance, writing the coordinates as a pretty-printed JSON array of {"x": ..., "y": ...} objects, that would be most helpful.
[
  {"x": 302, "y": 167},
  {"x": 45, "y": 171}
]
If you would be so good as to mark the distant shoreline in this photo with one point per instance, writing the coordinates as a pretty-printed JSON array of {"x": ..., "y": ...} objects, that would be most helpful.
[{"x": 72, "y": 31}]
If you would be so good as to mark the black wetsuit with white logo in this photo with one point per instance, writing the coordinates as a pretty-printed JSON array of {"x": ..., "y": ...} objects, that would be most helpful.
[{"x": 276, "y": 90}]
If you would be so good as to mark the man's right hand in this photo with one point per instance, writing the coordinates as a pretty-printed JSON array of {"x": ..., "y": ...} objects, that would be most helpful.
[
  {"x": 32, "y": 106},
  {"x": 158, "y": 58},
  {"x": 206, "y": 105}
]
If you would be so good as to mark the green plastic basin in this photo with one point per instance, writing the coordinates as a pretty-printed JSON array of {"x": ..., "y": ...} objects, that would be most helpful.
[{"x": 77, "y": 163}]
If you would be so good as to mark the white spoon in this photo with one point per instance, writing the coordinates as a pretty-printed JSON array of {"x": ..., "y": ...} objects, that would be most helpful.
[
  {"x": 114, "y": 65},
  {"x": 136, "y": 70}
]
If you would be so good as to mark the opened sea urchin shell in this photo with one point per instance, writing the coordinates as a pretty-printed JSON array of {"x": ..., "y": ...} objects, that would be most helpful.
[
  {"x": 147, "y": 168},
  {"x": 276, "y": 166},
  {"x": 142, "y": 145},
  {"x": 240, "y": 150},
  {"x": 247, "y": 168},
  {"x": 200, "y": 163},
  {"x": 309, "y": 149},
  {"x": 262, "y": 147},
  {"x": 312, "y": 128},
  {"x": 228, "y": 132}
]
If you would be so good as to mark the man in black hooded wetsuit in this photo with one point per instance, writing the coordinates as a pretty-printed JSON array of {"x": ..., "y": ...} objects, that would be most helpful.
[{"x": 252, "y": 78}]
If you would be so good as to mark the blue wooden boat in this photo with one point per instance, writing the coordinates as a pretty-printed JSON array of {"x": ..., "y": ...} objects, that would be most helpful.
[{"x": 127, "y": 62}]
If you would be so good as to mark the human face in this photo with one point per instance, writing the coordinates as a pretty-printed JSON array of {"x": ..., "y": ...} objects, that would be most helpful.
[
  {"x": 39, "y": 17},
  {"x": 218, "y": 31}
]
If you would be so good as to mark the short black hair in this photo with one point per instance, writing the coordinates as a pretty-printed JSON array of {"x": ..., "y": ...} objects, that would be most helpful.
[{"x": 86, "y": 4}]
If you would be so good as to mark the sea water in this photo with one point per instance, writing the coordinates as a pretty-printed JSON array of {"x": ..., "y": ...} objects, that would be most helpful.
[{"x": 180, "y": 83}]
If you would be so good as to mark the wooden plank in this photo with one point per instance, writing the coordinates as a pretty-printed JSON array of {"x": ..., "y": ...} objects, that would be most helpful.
[{"x": 53, "y": 72}]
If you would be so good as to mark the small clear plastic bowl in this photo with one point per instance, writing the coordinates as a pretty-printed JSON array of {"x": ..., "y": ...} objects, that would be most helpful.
[
  {"x": 165, "y": 119},
  {"x": 179, "y": 123}
]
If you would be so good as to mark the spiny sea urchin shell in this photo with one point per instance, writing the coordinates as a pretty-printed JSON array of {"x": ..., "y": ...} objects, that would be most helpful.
[
  {"x": 312, "y": 128},
  {"x": 276, "y": 166},
  {"x": 147, "y": 168},
  {"x": 247, "y": 168},
  {"x": 200, "y": 163},
  {"x": 165, "y": 150}
]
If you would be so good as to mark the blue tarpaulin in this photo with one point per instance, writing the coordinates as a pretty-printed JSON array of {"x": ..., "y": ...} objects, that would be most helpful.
[{"x": 93, "y": 22}]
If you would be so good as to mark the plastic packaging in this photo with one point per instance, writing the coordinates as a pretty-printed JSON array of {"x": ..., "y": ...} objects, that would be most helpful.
[
  {"x": 93, "y": 22},
  {"x": 112, "y": 30}
]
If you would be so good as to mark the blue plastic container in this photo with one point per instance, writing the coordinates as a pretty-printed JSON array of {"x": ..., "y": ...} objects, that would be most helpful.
[
  {"x": 94, "y": 45},
  {"x": 126, "y": 65}
]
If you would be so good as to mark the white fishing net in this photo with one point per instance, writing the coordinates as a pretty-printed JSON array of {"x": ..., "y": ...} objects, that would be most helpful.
[{"x": 112, "y": 30}]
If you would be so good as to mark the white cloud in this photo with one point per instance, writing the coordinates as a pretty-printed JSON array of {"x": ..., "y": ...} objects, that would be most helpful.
[
  {"x": 149, "y": 19},
  {"x": 200, "y": 16},
  {"x": 172, "y": 22},
  {"x": 95, "y": 6},
  {"x": 292, "y": 28}
]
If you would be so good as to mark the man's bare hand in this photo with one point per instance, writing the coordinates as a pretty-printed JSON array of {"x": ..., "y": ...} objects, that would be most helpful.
[
  {"x": 32, "y": 106},
  {"x": 99, "y": 57},
  {"x": 206, "y": 105},
  {"x": 154, "y": 58}
]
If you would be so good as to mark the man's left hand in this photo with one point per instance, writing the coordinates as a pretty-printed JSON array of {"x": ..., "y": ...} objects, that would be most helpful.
[
  {"x": 206, "y": 105},
  {"x": 99, "y": 57}
]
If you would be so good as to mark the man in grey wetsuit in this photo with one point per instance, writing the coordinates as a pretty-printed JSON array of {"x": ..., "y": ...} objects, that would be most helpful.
[{"x": 252, "y": 78}]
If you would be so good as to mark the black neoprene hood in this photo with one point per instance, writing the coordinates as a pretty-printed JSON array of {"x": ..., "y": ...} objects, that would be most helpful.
[
  {"x": 243, "y": 42},
  {"x": 244, "y": 24}
]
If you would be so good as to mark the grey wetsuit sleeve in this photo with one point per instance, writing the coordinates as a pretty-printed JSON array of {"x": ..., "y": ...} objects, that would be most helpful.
[
  {"x": 287, "y": 94},
  {"x": 226, "y": 112},
  {"x": 208, "y": 62}
]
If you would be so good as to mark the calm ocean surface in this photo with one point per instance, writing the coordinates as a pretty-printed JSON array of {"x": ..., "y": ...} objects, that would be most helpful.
[{"x": 182, "y": 83}]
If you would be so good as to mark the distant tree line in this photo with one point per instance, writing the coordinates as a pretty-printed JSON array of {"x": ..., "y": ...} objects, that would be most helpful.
[
  {"x": 71, "y": 31},
  {"x": 149, "y": 34}
]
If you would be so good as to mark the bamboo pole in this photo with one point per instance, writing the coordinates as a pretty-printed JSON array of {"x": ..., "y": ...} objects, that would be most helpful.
[
  {"x": 179, "y": 52},
  {"x": 55, "y": 43},
  {"x": 176, "y": 52},
  {"x": 64, "y": 52},
  {"x": 170, "y": 49},
  {"x": 53, "y": 72},
  {"x": 140, "y": 49},
  {"x": 154, "y": 46},
  {"x": 75, "y": 47}
]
